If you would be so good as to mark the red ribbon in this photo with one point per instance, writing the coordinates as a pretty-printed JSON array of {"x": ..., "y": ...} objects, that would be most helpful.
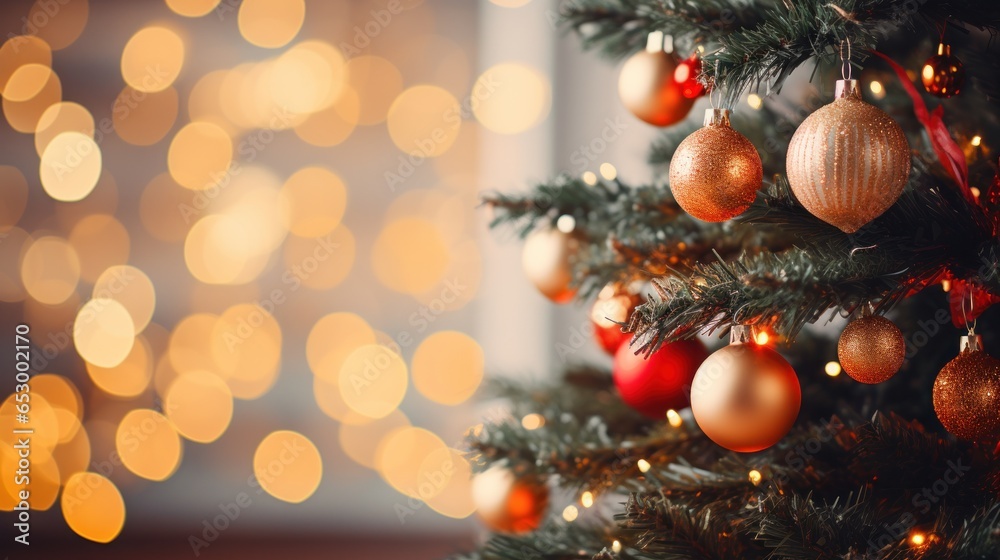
[{"x": 947, "y": 150}]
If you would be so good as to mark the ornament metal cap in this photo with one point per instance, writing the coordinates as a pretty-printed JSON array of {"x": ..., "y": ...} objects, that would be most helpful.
[
  {"x": 944, "y": 49},
  {"x": 716, "y": 117},
  {"x": 971, "y": 343},
  {"x": 740, "y": 334},
  {"x": 847, "y": 89}
]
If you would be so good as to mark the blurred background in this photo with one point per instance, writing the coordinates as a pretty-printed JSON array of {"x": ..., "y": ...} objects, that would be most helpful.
[{"x": 246, "y": 240}]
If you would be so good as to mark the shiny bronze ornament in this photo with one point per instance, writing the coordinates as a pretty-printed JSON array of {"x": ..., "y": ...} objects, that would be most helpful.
[
  {"x": 871, "y": 349},
  {"x": 647, "y": 86},
  {"x": 967, "y": 393}
]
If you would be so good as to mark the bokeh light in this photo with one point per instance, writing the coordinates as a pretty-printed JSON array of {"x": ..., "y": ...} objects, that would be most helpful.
[
  {"x": 373, "y": 380},
  {"x": 320, "y": 263},
  {"x": 192, "y": 8},
  {"x": 511, "y": 98},
  {"x": 271, "y": 23},
  {"x": 72, "y": 456},
  {"x": 360, "y": 436},
  {"x": 400, "y": 460},
  {"x": 103, "y": 332},
  {"x": 377, "y": 82},
  {"x": 148, "y": 444},
  {"x": 50, "y": 270},
  {"x": 152, "y": 59},
  {"x": 131, "y": 377},
  {"x": 130, "y": 287},
  {"x": 410, "y": 256},
  {"x": 64, "y": 116},
  {"x": 424, "y": 120},
  {"x": 334, "y": 124},
  {"x": 246, "y": 345},
  {"x": 26, "y": 82},
  {"x": 288, "y": 466},
  {"x": 200, "y": 406},
  {"x": 100, "y": 242},
  {"x": 65, "y": 400},
  {"x": 190, "y": 346},
  {"x": 448, "y": 367},
  {"x": 332, "y": 339},
  {"x": 307, "y": 77},
  {"x": 144, "y": 118},
  {"x": 59, "y": 26},
  {"x": 450, "y": 476},
  {"x": 93, "y": 507},
  {"x": 315, "y": 199},
  {"x": 70, "y": 166},
  {"x": 19, "y": 50},
  {"x": 199, "y": 155}
]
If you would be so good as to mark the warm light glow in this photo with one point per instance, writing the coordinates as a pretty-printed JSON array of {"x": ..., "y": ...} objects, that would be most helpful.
[
  {"x": 62, "y": 117},
  {"x": 190, "y": 346},
  {"x": 200, "y": 405},
  {"x": 71, "y": 457},
  {"x": 977, "y": 140},
  {"x": 26, "y": 82},
  {"x": 643, "y": 465},
  {"x": 217, "y": 250},
  {"x": 754, "y": 101},
  {"x": 974, "y": 191},
  {"x": 199, "y": 155},
  {"x": 587, "y": 499},
  {"x": 334, "y": 124},
  {"x": 511, "y": 98},
  {"x": 130, "y": 287},
  {"x": 288, "y": 466},
  {"x": 832, "y": 369},
  {"x": 129, "y": 378},
  {"x": 533, "y": 421},
  {"x": 589, "y": 177},
  {"x": 100, "y": 242},
  {"x": 377, "y": 83},
  {"x": 246, "y": 345},
  {"x": 20, "y": 50},
  {"x": 373, "y": 380},
  {"x": 103, "y": 332},
  {"x": 410, "y": 256},
  {"x": 674, "y": 419},
  {"x": 64, "y": 399},
  {"x": 400, "y": 460},
  {"x": 570, "y": 513},
  {"x": 23, "y": 116},
  {"x": 754, "y": 476},
  {"x": 566, "y": 223},
  {"x": 50, "y": 270},
  {"x": 608, "y": 171},
  {"x": 271, "y": 23},
  {"x": 424, "y": 120},
  {"x": 360, "y": 436},
  {"x": 616, "y": 546},
  {"x": 332, "y": 339},
  {"x": 918, "y": 539},
  {"x": 142, "y": 118},
  {"x": 448, "y": 367},
  {"x": 927, "y": 73},
  {"x": 306, "y": 78},
  {"x": 321, "y": 263},
  {"x": 148, "y": 444},
  {"x": 93, "y": 507},
  {"x": 453, "y": 492},
  {"x": 70, "y": 166},
  {"x": 192, "y": 8},
  {"x": 877, "y": 90},
  {"x": 315, "y": 199},
  {"x": 152, "y": 59},
  {"x": 762, "y": 337},
  {"x": 946, "y": 285}
]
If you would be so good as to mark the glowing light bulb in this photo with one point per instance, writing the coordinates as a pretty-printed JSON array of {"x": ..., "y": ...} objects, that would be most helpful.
[{"x": 832, "y": 369}]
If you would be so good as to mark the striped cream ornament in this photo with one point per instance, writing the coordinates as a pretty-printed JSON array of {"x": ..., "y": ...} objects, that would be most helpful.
[{"x": 849, "y": 161}]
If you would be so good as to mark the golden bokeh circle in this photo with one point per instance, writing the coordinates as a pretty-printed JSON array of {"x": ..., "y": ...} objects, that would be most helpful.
[
  {"x": 50, "y": 270},
  {"x": 192, "y": 8},
  {"x": 132, "y": 288},
  {"x": 131, "y": 377},
  {"x": 448, "y": 367},
  {"x": 373, "y": 380},
  {"x": 315, "y": 199},
  {"x": 360, "y": 436},
  {"x": 199, "y": 155},
  {"x": 332, "y": 339},
  {"x": 424, "y": 120},
  {"x": 400, "y": 458},
  {"x": 334, "y": 124},
  {"x": 71, "y": 166},
  {"x": 148, "y": 444},
  {"x": 152, "y": 59},
  {"x": 103, "y": 332},
  {"x": 271, "y": 23},
  {"x": 64, "y": 116},
  {"x": 288, "y": 466},
  {"x": 410, "y": 256},
  {"x": 510, "y": 98},
  {"x": 200, "y": 405},
  {"x": 93, "y": 507},
  {"x": 59, "y": 25}
]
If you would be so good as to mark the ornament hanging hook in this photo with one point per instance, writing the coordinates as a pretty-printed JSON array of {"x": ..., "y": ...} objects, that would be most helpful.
[
  {"x": 972, "y": 308},
  {"x": 845, "y": 62}
]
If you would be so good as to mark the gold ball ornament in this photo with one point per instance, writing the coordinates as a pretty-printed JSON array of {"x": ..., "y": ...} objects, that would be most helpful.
[
  {"x": 547, "y": 260},
  {"x": 871, "y": 349},
  {"x": 508, "y": 504},
  {"x": 715, "y": 172},
  {"x": 848, "y": 162},
  {"x": 648, "y": 89},
  {"x": 745, "y": 397},
  {"x": 967, "y": 393}
]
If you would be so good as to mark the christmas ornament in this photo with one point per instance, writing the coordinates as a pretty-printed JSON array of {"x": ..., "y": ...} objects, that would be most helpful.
[
  {"x": 967, "y": 392},
  {"x": 686, "y": 75},
  {"x": 745, "y": 397},
  {"x": 943, "y": 74},
  {"x": 661, "y": 382},
  {"x": 508, "y": 504},
  {"x": 614, "y": 305},
  {"x": 716, "y": 171},
  {"x": 849, "y": 161},
  {"x": 871, "y": 349},
  {"x": 547, "y": 262},
  {"x": 647, "y": 87}
]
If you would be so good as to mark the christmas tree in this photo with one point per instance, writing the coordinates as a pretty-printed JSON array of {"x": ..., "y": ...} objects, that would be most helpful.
[{"x": 867, "y": 191}]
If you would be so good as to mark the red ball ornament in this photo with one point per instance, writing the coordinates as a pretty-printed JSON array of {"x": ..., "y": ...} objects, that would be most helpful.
[
  {"x": 647, "y": 86},
  {"x": 614, "y": 305},
  {"x": 661, "y": 382},
  {"x": 508, "y": 504},
  {"x": 686, "y": 75},
  {"x": 943, "y": 74}
]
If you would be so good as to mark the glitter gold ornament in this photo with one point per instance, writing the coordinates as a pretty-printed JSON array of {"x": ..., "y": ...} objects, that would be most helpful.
[
  {"x": 967, "y": 393},
  {"x": 614, "y": 305},
  {"x": 716, "y": 171},
  {"x": 647, "y": 86},
  {"x": 943, "y": 74},
  {"x": 849, "y": 161},
  {"x": 547, "y": 262},
  {"x": 745, "y": 397},
  {"x": 871, "y": 349},
  {"x": 508, "y": 504}
]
